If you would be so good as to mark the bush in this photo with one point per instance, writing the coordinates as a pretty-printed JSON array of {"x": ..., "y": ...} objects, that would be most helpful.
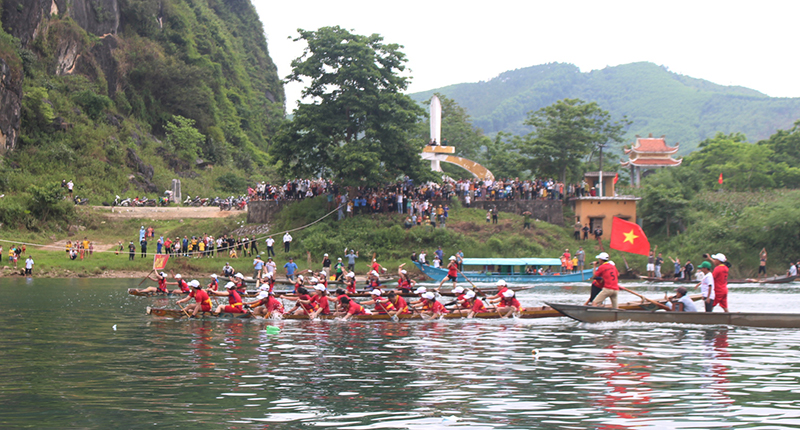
[
  {"x": 93, "y": 104},
  {"x": 232, "y": 183}
]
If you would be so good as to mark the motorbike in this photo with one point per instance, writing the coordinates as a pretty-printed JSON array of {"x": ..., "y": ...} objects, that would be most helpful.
[{"x": 80, "y": 201}]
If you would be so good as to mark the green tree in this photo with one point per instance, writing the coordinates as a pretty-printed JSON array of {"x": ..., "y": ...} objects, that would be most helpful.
[
  {"x": 183, "y": 137},
  {"x": 358, "y": 123},
  {"x": 502, "y": 156},
  {"x": 744, "y": 166},
  {"x": 662, "y": 206},
  {"x": 565, "y": 133}
]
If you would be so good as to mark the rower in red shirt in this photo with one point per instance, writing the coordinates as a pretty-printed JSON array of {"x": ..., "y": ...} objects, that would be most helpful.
[
  {"x": 430, "y": 306},
  {"x": 350, "y": 282},
  {"x": 337, "y": 301},
  {"x": 322, "y": 278},
  {"x": 508, "y": 304},
  {"x": 202, "y": 301},
  {"x": 461, "y": 301},
  {"x": 241, "y": 287},
  {"x": 214, "y": 284},
  {"x": 476, "y": 304},
  {"x": 404, "y": 283},
  {"x": 353, "y": 308},
  {"x": 382, "y": 304},
  {"x": 269, "y": 280},
  {"x": 161, "y": 279},
  {"x": 608, "y": 274},
  {"x": 265, "y": 304},
  {"x": 183, "y": 287},
  {"x": 452, "y": 272},
  {"x": 298, "y": 284},
  {"x": 501, "y": 288},
  {"x": 235, "y": 305},
  {"x": 304, "y": 306},
  {"x": 399, "y": 304},
  {"x": 720, "y": 275},
  {"x": 320, "y": 299}
]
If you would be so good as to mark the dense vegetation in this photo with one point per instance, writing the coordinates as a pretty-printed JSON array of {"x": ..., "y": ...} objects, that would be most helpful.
[
  {"x": 688, "y": 212},
  {"x": 182, "y": 81},
  {"x": 685, "y": 109}
]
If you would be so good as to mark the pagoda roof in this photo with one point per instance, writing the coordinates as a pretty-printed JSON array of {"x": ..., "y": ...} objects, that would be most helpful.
[
  {"x": 652, "y": 162},
  {"x": 652, "y": 145}
]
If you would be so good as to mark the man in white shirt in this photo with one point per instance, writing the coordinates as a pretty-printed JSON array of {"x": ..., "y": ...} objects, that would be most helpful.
[
  {"x": 287, "y": 241},
  {"x": 270, "y": 266},
  {"x": 707, "y": 285},
  {"x": 270, "y": 243},
  {"x": 29, "y": 265},
  {"x": 684, "y": 302},
  {"x": 792, "y": 270}
]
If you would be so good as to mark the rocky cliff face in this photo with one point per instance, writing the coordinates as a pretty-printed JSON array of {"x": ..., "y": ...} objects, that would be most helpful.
[{"x": 10, "y": 104}]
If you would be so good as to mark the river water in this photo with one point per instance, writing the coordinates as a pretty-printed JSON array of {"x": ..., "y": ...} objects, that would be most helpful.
[{"x": 65, "y": 366}]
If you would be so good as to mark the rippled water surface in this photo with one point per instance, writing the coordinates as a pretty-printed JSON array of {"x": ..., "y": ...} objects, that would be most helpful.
[{"x": 64, "y": 366}]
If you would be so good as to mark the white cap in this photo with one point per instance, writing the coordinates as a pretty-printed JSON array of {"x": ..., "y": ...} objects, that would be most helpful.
[
  {"x": 325, "y": 255},
  {"x": 178, "y": 276},
  {"x": 319, "y": 287},
  {"x": 452, "y": 258},
  {"x": 404, "y": 271},
  {"x": 263, "y": 288},
  {"x": 508, "y": 293},
  {"x": 351, "y": 275},
  {"x": 323, "y": 273},
  {"x": 420, "y": 290},
  {"x": 268, "y": 275},
  {"x": 194, "y": 283},
  {"x": 313, "y": 281},
  {"x": 230, "y": 285},
  {"x": 214, "y": 275},
  {"x": 458, "y": 290},
  {"x": 602, "y": 256},
  {"x": 340, "y": 258},
  {"x": 375, "y": 292},
  {"x": 469, "y": 294},
  {"x": 429, "y": 296},
  {"x": 262, "y": 295},
  {"x": 239, "y": 275},
  {"x": 720, "y": 257},
  {"x": 300, "y": 277},
  {"x": 501, "y": 283},
  {"x": 374, "y": 273},
  {"x": 164, "y": 274}
]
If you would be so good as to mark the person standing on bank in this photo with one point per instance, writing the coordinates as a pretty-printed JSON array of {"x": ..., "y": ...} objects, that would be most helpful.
[
  {"x": 29, "y": 265},
  {"x": 131, "y": 251},
  {"x": 270, "y": 243},
  {"x": 607, "y": 273},
  {"x": 287, "y": 241},
  {"x": 762, "y": 263}
]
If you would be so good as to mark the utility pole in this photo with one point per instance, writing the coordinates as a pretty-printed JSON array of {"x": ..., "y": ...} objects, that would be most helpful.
[{"x": 600, "y": 192}]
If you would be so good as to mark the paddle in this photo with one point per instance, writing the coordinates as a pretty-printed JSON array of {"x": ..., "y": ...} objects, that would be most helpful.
[
  {"x": 184, "y": 310},
  {"x": 465, "y": 277},
  {"x": 645, "y": 298},
  {"x": 147, "y": 277}
]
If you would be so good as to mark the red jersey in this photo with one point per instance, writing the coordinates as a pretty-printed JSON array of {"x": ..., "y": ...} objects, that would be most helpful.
[
  {"x": 355, "y": 309},
  {"x": 274, "y": 305},
  {"x": 383, "y": 305},
  {"x": 608, "y": 273},
  {"x": 464, "y": 303},
  {"x": 403, "y": 284},
  {"x": 511, "y": 301},
  {"x": 201, "y": 297},
  {"x": 401, "y": 305},
  {"x": 297, "y": 286},
  {"x": 501, "y": 290},
  {"x": 311, "y": 307},
  {"x": 321, "y": 302},
  {"x": 720, "y": 275},
  {"x": 324, "y": 282},
  {"x": 235, "y": 300},
  {"x": 478, "y": 306},
  {"x": 376, "y": 267},
  {"x": 351, "y": 286},
  {"x": 438, "y": 308},
  {"x": 162, "y": 286},
  {"x": 452, "y": 269},
  {"x": 183, "y": 286},
  {"x": 214, "y": 285}
]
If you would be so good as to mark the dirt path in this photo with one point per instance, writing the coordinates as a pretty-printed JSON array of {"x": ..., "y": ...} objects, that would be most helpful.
[{"x": 166, "y": 212}]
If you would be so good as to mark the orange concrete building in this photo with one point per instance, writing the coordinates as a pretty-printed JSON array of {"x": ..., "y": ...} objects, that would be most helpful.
[{"x": 598, "y": 211}]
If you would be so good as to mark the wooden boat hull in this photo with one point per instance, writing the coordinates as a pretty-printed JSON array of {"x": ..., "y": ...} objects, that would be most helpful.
[
  {"x": 177, "y": 313},
  {"x": 437, "y": 274},
  {"x": 589, "y": 314},
  {"x": 252, "y": 293}
]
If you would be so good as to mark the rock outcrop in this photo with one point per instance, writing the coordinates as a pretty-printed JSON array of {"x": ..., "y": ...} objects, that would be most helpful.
[{"x": 10, "y": 103}]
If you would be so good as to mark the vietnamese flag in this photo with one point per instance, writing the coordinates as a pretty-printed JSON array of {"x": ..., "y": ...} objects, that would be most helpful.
[
  {"x": 720, "y": 179},
  {"x": 627, "y": 236},
  {"x": 616, "y": 178}
]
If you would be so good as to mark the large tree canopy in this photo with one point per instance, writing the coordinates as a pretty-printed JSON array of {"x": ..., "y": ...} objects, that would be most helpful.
[
  {"x": 565, "y": 133},
  {"x": 357, "y": 124}
]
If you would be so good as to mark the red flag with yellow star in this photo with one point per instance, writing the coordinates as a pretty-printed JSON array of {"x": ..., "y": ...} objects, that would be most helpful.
[{"x": 627, "y": 236}]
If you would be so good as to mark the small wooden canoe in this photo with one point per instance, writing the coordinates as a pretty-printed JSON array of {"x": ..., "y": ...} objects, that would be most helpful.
[{"x": 589, "y": 314}]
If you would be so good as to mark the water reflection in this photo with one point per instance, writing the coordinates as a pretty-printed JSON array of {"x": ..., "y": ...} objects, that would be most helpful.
[{"x": 65, "y": 367}]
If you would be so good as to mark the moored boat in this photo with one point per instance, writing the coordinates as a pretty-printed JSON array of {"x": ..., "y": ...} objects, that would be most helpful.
[
  {"x": 590, "y": 314},
  {"x": 512, "y": 270}
]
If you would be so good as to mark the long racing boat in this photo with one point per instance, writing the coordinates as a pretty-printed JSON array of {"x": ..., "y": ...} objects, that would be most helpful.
[
  {"x": 512, "y": 270},
  {"x": 589, "y": 314}
]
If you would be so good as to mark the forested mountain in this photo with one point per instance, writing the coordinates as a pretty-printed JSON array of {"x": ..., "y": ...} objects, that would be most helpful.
[
  {"x": 686, "y": 110},
  {"x": 121, "y": 96}
]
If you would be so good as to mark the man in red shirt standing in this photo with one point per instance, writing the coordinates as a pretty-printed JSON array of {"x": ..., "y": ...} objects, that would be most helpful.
[
  {"x": 720, "y": 275},
  {"x": 452, "y": 272},
  {"x": 607, "y": 273}
]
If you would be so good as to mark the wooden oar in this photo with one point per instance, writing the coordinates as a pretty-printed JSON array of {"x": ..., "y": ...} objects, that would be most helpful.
[
  {"x": 465, "y": 277},
  {"x": 646, "y": 298},
  {"x": 146, "y": 277},
  {"x": 184, "y": 311}
]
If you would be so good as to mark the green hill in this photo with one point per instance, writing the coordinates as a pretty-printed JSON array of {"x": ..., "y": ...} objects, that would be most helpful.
[
  {"x": 122, "y": 97},
  {"x": 685, "y": 109}
]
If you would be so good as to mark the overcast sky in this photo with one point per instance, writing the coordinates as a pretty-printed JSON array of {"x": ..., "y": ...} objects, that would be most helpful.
[{"x": 746, "y": 43}]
